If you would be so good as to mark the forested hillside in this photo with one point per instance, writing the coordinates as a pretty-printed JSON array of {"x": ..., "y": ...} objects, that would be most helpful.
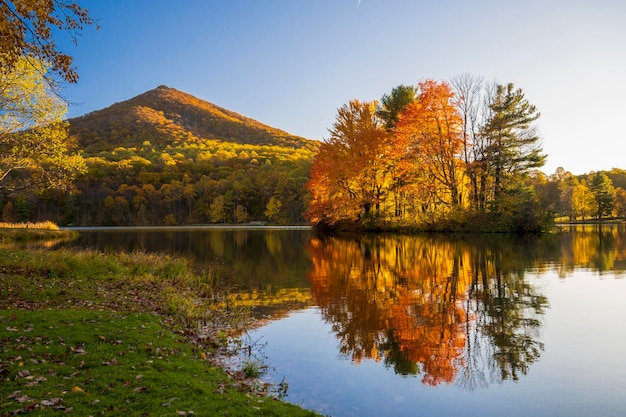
[
  {"x": 166, "y": 157},
  {"x": 166, "y": 116}
]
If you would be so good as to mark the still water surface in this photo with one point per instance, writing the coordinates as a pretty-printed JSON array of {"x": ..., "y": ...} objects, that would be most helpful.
[{"x": 433, "y": 325}]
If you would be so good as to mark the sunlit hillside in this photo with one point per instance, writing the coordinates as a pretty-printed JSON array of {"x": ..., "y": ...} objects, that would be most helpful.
[
  {"x": 166, "y": 116},
  {"x": 168, "y": 158}
]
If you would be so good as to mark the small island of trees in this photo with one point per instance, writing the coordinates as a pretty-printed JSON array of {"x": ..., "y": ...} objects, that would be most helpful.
[{"x": 458, "y": 156}]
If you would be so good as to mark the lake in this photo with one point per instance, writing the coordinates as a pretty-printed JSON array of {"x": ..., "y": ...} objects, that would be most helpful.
[{"x": 437, "y": 325}]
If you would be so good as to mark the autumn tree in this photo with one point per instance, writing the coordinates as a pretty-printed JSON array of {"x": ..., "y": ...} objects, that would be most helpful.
[
  {"x": 241, "y": 214},
  {"x": 350, "y": 174},
  {"x": 217, "y": 213},
  {"x": 27, "y": 28},
  {"x": 620, "y": 202},
  {"x": 272, "y": 210},
  {"x": 618, "y": 177},
  {"x": 429, "y": 134},
  {"x": 582, "y": 201},
  {"x": 34, "y": 142}
]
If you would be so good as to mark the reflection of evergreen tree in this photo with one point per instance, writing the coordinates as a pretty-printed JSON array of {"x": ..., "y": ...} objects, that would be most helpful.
[
  {"x": 394, "y": 358},
  {"x": 510, "y": 322}
]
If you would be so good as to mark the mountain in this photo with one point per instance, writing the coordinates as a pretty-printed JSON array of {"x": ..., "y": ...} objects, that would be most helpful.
[
  {"x": 166, "y": 116},
  {"x": 166, "y": 157}
]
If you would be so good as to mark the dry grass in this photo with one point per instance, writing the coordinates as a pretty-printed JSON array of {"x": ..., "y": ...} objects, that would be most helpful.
[{"x": 47, "y": 225}]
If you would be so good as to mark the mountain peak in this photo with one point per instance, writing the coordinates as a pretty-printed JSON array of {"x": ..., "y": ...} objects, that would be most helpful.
[{"x": 165, "y": 115}]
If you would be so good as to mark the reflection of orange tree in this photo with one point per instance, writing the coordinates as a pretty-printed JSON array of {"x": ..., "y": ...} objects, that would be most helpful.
[
  {"x": 382, "y": 302},
  {"x": 428, "y": 305}
]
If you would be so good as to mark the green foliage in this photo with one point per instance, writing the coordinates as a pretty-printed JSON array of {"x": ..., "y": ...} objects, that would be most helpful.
[
  {"x": 513, "y": 145},
  {"x": 604, "y": 193},
  {"x": 34, "y": 142},
  {"x": 253, "y": 368},
  {"x": 392, "y": 104}
]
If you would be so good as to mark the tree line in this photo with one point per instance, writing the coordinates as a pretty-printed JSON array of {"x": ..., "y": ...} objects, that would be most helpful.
[
  {"x": 182, "y": 185},
  {"x": 421, "y": 157},
  {"x": 459, "y": 155}
]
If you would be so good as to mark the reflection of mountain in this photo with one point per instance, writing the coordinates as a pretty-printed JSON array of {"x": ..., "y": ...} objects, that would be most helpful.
[
  {"x": 265, "y": 268},
  {"x": 451, "y": 310},
  {"x": 272, "y": 302}
]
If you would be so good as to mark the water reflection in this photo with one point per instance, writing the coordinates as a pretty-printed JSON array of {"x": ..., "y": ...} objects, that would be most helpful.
[
  {"x": 461, "y": 312},
  {"x": 449, "y": 309},
  {"x": 445, "y": 308},
  {"x": 601, "y": 248},
  {"x": 264, "y": 267}
]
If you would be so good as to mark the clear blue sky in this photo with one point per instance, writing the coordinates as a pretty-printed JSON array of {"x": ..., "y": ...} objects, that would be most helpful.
[{"x": 292, "y": 63}]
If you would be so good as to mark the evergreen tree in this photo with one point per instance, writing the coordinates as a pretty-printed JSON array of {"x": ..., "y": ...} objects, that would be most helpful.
[
  {"x": 604, "y": 192},
  {"x": 392, "y": 104},
  {"x": 513, "y": 145}
]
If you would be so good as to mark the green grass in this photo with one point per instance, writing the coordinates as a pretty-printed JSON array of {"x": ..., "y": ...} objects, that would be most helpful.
[
  {"x": 106, "y": 363},
  {"x": 116, "y": 334}
]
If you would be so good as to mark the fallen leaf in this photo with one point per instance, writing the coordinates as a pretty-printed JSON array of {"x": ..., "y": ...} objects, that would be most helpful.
[
  {"x": 23, "y": 399},
  {"x": 50, "y": 402},
  {"x": 23, "y": 374},
  {"x": 77, "y": 389},
  {"x": 15, "y": 394}
]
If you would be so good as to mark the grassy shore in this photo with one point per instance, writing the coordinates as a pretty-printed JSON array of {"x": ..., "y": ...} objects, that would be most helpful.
[
  {"x": 26, "y": 232},
  {"x": 138, "y": 334}
]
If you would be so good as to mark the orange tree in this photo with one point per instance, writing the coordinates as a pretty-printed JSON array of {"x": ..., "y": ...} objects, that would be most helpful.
[
  {"x": 27, "y": 28},
  {"x": 428, "y": 136},
  {"x": 350, "y": 176}
]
